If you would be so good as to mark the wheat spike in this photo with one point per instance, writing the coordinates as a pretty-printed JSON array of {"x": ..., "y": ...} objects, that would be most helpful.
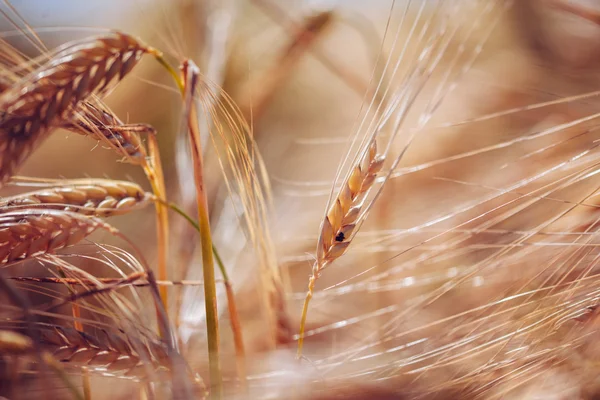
[
  {"x": 103, "y": 124},
  {"x": 98, "y": 197},
  {"x": 108, "y": 351},
  {"x": 14, "y": 343},
  {"x": 94, "y": 119},
  {"x": 26, "y": 234},
  {"x": 338, "y": 226},
  {"x": 48, "y": 96}
]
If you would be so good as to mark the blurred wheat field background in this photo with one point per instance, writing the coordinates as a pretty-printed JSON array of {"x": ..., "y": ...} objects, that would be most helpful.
[{"x": 427, "y": 168}]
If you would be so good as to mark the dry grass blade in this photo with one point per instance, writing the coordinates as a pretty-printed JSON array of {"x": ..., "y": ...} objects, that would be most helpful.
[
  {"x": 26, "y": 234},
  {"x": 98, "y": 197},
  {"x": 47, "y": 97}
]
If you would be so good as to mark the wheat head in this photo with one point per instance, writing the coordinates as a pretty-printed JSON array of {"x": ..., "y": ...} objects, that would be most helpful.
[
  {"x": 29, "y": 233},
  {"x": 48, "y": 96},
  {"x": 339, "y": 224},
  {"x": 103, "y": 124},
  {"x": 14, "y": 343},
  {"x": 98, "y": 197},
  {"x": 107, "y": 350}
]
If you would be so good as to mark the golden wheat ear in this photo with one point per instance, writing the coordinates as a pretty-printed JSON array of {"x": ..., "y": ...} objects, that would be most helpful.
[
  {"x": 100, "y": 123},
  {"x": 338, "y": 226},
  {"x": 97, "y": 197},
  {"x": 47, "y": 97},
  {"x": 29, "y": 233},
  {"x": 106, "y": 351}
]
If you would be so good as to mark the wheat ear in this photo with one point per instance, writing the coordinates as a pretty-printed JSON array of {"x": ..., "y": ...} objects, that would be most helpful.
[
  {"x": 98, "y": 122},
  {"x": 29, "y": 233},
  {"x": 98, "y": 197},
  {"x": 54, "y": 95},
  {"x": 12, "y": 343},
  {"x": 338, "y": 227},
  {"x": 108, "y": 351},
  {"x": 47, "y": 97}
]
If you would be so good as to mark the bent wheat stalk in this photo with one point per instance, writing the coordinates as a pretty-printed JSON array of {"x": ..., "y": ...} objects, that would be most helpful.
[
  {"x": 125, "y": 139},
  {"x": 337, "y": 229},
  {"x": 47, "y": 97}
]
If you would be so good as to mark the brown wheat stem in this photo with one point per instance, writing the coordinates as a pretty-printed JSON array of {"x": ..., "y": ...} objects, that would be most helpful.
[
  {"x": 76, "y": 311},
  {"x": 210, "y": 292},
  {"x": 155, "y": 176}
]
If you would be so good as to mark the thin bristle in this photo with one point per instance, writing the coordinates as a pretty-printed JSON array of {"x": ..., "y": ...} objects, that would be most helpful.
[
  {"x": 47, "y": 98},
  {"x": 98, "y": 197}
]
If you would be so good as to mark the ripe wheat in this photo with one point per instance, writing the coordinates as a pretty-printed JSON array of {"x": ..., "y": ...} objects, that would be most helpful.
[
  {"x": 47, "y": 98},
  {"x": 109, "y": 351},
  {"x": 14, "y": 343},
  {"x": 99, "y": 197},
  {"x": 338, "y": 227},
  {"x": 26, "y": 234},
  {"x": 103, "y": 124}
]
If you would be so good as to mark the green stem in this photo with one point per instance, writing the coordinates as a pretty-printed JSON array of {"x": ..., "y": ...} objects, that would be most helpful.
[
  {"x": 236, "y": 326},
  {"x": 194, "y": 223},
  {"x": 162, "y": 61},
  {"x": 210, "y": 290}
]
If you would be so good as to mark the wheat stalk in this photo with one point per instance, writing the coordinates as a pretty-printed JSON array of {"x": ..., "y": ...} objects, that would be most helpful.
[
  {"x": 98, "y": 197},
  {"x": 191, "y": 74},
  {"x": 47, "y": 97},
  {"x": 29, "y": 233}
]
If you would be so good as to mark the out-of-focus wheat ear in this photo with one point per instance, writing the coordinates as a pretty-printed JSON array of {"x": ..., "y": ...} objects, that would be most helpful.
[
  {"x": 107, "y": 352},
  {"x": 47, "y": 97},
  {"x": 13, "y": 343},
  {"x": 338, "y": 227},
  {"x": 100, "y": 123},
  {"x": 29, "y": 233},
  {"x": 98, "y": 197}
]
